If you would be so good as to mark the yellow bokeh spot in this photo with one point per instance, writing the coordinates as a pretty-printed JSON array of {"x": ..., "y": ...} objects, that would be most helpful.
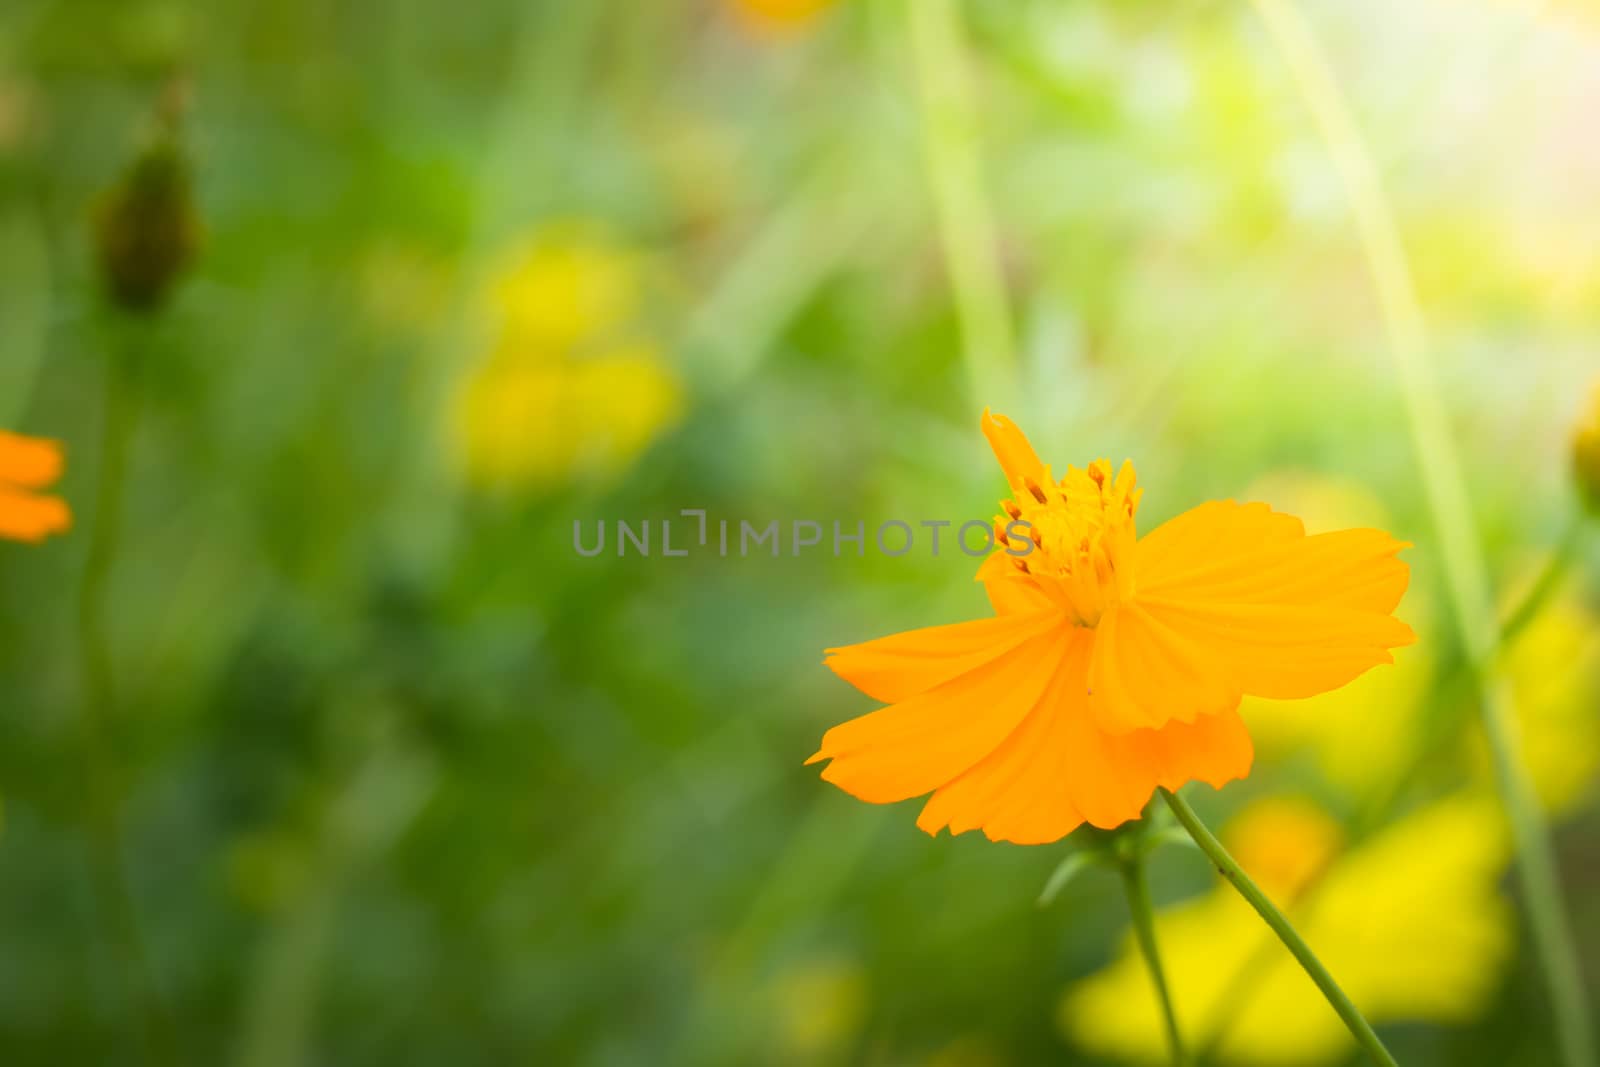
[
  {"x": 1285, "y": 844},
  {"x": 530, "y": 423},
  {"x": 820, "y": 1006},
  {"x": 1554, "y": 670},
  {"x": 569, "y": 390},
  {"x": 563, "y": 288}
]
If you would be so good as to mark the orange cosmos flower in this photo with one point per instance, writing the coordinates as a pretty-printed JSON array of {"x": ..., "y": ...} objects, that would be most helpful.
[
  {"x": 1114, "y": 664},
  {"x": 28, "y": 463}
]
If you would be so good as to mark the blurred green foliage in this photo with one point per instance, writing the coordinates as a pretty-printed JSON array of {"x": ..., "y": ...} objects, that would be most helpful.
[{"x": 403, "y": 780}]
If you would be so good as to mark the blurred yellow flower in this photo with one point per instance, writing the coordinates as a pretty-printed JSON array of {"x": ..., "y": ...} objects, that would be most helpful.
[
  {"x": 564, "y": 287},
  {"x": 1554, "y": 668},
  {"x": 1286, "y": 844},
  {"x": 29, "y": 464},
  {"x": 1411, "y": 921},
  {"x": 529, "y": 422},
  {"x": 569, "y": 391},
  {"x": 819, "y": 1007}
]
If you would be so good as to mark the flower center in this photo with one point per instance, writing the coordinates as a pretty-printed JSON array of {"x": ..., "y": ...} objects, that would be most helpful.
[{"x": 1083, "y": 533}]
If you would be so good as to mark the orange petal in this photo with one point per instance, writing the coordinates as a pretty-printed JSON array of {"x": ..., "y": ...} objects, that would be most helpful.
[
  {"x": 1230, "y": 552},
  {"x": 1019, "y": 791},
  {"x": 1237, "y": 599},
  {"x": 1146, "y": 673},
  {"x": 920, "y": 743},
  {"x": 1010, "y": 590},
  {"x": 902, "y": 665},
  {"x": 1058, "y": 769},
  {"x": 24, "y": 517},
  {"x": 1210, "y": 529},
  {"x": 1286, "y": 651},
  {"x": 1017, "y": 457},
  {"x": 31, "y": 462},
  {"x": 1214, "y": 749}
]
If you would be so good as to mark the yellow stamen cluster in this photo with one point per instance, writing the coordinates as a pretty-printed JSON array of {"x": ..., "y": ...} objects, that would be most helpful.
[{"x": 1083, "y": 534}]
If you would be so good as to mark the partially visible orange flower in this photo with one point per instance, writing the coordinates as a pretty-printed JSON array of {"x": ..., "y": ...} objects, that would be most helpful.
[
  {"x": 780, "y": 16},
  {"x": 1114, "y": 664},
  {"x": 28, "y": 464}
]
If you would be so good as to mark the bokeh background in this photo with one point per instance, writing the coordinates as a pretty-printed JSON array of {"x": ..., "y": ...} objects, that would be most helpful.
[{"x": 379, "y": 770}]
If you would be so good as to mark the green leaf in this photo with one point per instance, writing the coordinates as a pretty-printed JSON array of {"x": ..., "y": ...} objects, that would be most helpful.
[{"x": 1069, "y": 868}]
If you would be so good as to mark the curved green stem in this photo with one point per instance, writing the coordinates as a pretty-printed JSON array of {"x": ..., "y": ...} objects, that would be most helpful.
[
  {"x": 1144, "y": 930},
  {"x": 1445, "y": 489},
  {"x": 1229, "y": 868},
  {"x": 99, "y": 711}
]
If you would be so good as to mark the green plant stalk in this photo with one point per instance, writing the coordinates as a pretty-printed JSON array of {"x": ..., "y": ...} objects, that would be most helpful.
[
  {"x": 1445, "y": 489},
  {"x": 1546, "y": 585},
  {"x": 1229, "y": 868},
  {"x": 1137, "y": 888},
  {"x": 99, "y": 710},
  {"x": 966, "y": 229}
]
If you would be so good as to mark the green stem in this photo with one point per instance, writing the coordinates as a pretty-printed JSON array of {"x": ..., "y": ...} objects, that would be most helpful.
[
  {"x": 1445, "y": 488},
  {"x": 950, "y": 136},
  {"x": 1546, "y": 585},
  {"x": 1144, "y": 929},
  {"x": 1229, "y": 868},
  {"x": 110, "y": 882}
]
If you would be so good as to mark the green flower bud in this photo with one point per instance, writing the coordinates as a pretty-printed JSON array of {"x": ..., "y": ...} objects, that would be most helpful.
[{"x": 146, "y": 230}]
